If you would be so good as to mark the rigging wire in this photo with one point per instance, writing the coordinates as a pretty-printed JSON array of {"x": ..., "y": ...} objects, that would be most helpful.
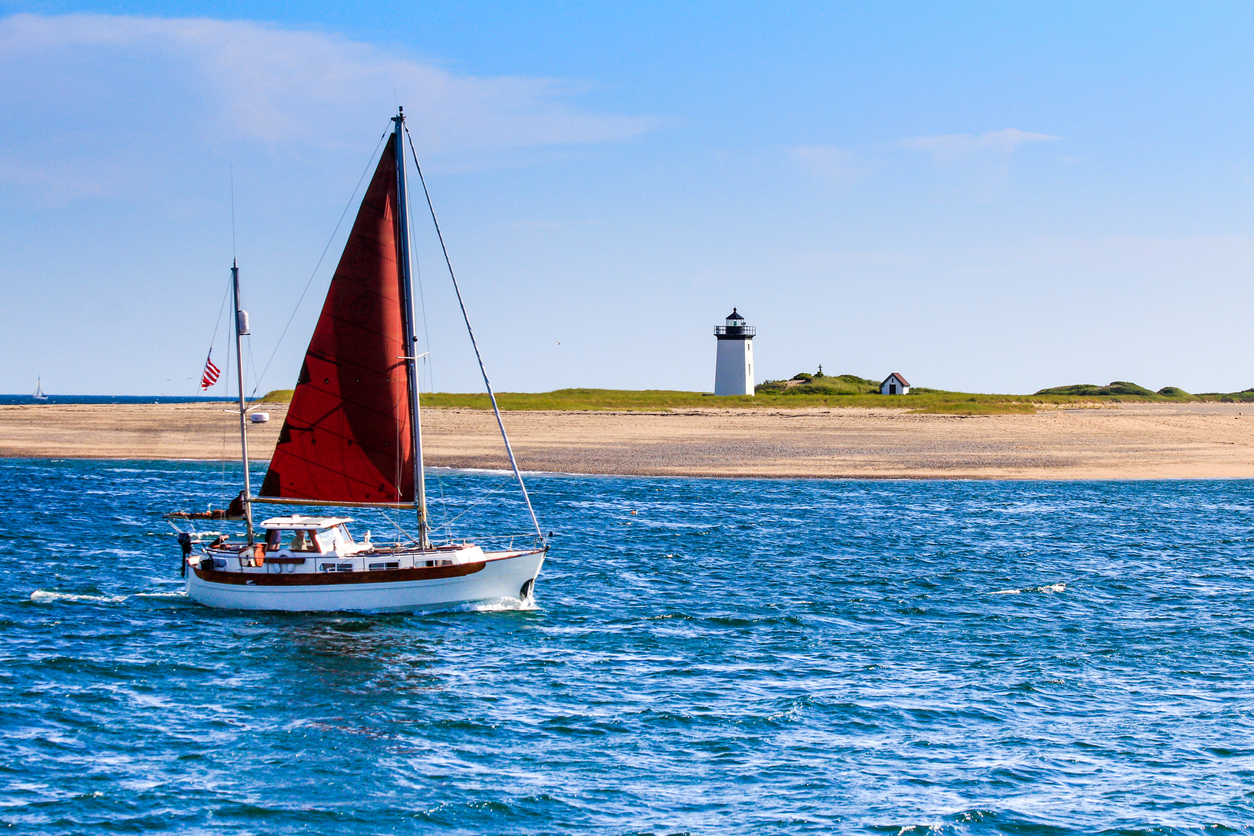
[
  {"x": 439, "y": 479},
  {"x": 218, "y": 324},
  {"x": 469, "y": 506},
  {"x": 496, "y": 409},
  {"x": 427, "y": 363},
  {"x": 321, "y": 258},
  {"x": 212, "y": 340}
]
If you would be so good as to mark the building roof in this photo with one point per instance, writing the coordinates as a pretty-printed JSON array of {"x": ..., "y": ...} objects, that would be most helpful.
[
  {"x": 734, "y": 315},
  {"x": 900, "y": 379}
]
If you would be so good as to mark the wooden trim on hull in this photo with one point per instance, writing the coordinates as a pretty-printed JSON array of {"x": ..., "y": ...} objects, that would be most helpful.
[{"x": 422, "y": 573}]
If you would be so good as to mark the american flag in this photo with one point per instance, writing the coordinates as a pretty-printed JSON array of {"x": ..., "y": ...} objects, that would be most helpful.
[{"x": 211, "y": 373}]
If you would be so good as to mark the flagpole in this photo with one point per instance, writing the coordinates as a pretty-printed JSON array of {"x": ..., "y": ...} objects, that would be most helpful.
[{"x": 241, "y": 328}]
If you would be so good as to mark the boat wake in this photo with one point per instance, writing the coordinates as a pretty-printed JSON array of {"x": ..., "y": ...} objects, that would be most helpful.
[
  {"x": 1048, "y": 589},
  {"x": 45, "y": 596}
]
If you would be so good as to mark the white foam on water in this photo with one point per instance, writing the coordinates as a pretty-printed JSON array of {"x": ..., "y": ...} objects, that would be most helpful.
[
  {"x": 168, "y": 595},
  {"x": 1047, "y": 589},
  {"x": 490, "y": 471},
  {"x": 43, "y": 596},
  {"x": 497, "y": 605}
]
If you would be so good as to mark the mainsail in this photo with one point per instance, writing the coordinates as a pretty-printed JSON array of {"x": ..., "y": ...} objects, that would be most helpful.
[{"x": 348, "y": 436}]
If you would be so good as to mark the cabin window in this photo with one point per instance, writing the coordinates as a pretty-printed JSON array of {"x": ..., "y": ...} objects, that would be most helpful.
[
  {"x": 303, "y": 540},
  {"x": 390, "y": 564}
]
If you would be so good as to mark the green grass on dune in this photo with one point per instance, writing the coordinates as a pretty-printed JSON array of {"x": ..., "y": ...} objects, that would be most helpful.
[
  {"x": 660, "y": 400},
  {"x": 586, "y": 399},
  {"x": 843, "y": 384},
  {"x": 968, "y": 408},
  {"x": 818, "y": 391},
  {"x": 1122, "y": 390},
  {"x": 1244, "y": 396},
  {"x": 1118, "y": 387}
]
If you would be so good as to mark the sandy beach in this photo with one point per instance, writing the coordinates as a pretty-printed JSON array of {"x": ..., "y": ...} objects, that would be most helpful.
[{"x": 1129, "y": 441}]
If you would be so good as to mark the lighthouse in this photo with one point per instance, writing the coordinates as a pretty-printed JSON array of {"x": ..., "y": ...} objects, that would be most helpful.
[{"x": 733, "y": 372}]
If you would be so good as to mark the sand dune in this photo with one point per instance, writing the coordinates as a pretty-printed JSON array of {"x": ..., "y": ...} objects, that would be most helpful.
[{"x": 1131, "y": 441}]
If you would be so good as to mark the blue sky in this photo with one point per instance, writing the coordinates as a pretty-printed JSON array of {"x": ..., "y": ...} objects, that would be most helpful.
[{"x": 981, "y": 197}]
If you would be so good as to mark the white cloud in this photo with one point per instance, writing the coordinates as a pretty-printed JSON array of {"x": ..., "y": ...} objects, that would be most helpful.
[
  {"x": 837, "y": 167},
  {"x": 114, "y": 81},
  {"x": 951, "y": 148},
  {"x": 973, "y": 165}
]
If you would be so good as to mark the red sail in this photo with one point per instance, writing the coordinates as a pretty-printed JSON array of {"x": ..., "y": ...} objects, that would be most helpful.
[{"x": 347, "y": 436}]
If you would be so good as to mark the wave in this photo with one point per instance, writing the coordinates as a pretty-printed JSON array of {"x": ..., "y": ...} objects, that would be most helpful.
[
  {"x": 1048, "y": 589},
  {"x": 496, "y": 605}
]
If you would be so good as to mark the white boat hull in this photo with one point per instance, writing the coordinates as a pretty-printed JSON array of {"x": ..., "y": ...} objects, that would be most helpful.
[{"x": 499, "y": 575}]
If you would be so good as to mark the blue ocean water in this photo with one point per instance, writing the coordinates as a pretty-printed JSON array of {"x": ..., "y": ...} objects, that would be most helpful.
[
  {"x": 11, "y": 400},
  {"x": 703, "y": 657}
]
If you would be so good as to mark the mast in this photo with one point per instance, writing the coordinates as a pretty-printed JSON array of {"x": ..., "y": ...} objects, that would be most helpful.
[
  {"x": 241, "y": 328},
  {"x": 407, "y": 315}
]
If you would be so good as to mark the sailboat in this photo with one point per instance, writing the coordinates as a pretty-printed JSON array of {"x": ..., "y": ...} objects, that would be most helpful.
[
  {"x": 352, "y": 438},
  {"x": 39, "y": 390}
]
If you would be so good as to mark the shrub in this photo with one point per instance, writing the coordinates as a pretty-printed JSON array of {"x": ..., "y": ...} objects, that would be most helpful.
[{"x": 1117, "y": 387}]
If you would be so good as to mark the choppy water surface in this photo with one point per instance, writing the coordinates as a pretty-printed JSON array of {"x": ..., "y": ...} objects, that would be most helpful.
[{"x": 704, "y": 657}]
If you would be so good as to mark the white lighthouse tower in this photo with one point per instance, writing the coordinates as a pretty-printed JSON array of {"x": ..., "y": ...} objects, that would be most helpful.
[{"x": 733, "y": 373}]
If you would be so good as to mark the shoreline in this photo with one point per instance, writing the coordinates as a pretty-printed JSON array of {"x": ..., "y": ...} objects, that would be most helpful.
[{"x": 1125, "y": 441}]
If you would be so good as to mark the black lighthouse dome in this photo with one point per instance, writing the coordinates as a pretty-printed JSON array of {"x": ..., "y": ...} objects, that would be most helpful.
[{"x": 735, "y": 329}]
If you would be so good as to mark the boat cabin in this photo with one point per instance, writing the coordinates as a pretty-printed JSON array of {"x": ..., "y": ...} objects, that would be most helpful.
[
  {"x": 298, "y": 544},
  {"x": 309, "y": 535}
]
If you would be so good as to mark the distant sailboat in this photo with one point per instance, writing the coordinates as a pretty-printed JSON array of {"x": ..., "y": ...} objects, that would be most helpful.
[
  {"x": 39, "y": 390},
  {"x": 352, "y": 438}
]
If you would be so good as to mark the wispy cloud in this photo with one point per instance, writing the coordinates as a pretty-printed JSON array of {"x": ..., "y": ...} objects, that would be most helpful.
[
  {"x": 124, "y": 77},
  {"x": 952, "y": 148},
  {"x": 973, "y": 165},
  {"x": 838, "y": 168}
]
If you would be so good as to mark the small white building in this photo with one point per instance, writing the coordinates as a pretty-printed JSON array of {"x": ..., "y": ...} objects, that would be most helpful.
[
  {"x": 733, "y": 370},
  {"x": 895, "y": 384}
]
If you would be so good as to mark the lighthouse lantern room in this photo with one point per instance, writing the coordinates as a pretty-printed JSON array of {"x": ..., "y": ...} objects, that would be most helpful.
[{"x": 733, "y": 371}]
